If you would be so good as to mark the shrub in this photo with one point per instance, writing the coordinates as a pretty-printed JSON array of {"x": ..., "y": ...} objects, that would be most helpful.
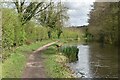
[
  {"x": 70, "y": 51},
  {"x": 11, "y": 29},
  {"x": 35, "y": 32}
]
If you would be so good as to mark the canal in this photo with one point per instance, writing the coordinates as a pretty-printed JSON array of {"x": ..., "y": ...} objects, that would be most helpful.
[{"x": 95, "y": 61}]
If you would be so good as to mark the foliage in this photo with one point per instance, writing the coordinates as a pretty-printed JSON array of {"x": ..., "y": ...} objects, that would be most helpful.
[
  {"x": 119, "y": 22},
  {"x": 28, "y": 11},
  {"x": 72, "y": 33},
  {"x": 108, "y": 23},
  {"x": 12, "y": 31},
  {"x": 0, "y": 70},
  {"x": 71, "y": 52},
  {"x": 53, "y": 18},
  {"x": 87, "y": 36},
  {"x": 53, "y": 68},
  {"x": 35, "y": 32},
  {"x": 13, "y": 23},
  {"x": 14, "y": 34}
]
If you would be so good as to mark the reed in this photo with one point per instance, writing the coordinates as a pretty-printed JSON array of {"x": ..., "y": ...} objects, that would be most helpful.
[{"x": 71, "y": 52}]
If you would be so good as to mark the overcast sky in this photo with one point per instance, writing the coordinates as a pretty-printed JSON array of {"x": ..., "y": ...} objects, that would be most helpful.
[{"x": 78, "y": 10}]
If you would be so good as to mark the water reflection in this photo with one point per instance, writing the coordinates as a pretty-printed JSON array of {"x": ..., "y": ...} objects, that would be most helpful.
[
  {"x": 103, "y": 61},
  {"x": 96, "y": 62},
  {"x": 82, "y": 65}
]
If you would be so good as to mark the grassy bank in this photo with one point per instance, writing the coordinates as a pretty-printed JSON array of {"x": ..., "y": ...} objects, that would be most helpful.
[
  {"x": 14, "y": 65},
  {"x": 55, "y": 64}
]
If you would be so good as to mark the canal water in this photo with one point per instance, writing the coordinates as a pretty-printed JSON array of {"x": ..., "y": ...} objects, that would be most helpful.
[{"x": 96, "y": 61}]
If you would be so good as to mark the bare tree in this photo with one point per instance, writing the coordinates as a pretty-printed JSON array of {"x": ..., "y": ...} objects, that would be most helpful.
[{"x": 27, "y": 10}]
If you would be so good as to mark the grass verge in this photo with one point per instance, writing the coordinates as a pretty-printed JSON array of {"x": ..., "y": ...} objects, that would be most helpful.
[
  {"x": 13, "y": 66},
  {"x": 54, "y": 64}
]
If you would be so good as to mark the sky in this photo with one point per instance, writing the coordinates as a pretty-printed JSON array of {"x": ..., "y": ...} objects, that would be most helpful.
[{"x": 78, "y": 11}]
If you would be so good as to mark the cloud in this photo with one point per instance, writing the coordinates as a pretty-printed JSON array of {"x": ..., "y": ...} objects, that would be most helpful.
[{"x": 78, "y": 11}]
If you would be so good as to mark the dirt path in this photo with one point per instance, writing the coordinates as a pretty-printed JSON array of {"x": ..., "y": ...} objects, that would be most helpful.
[{"x": 34, "y": 67}]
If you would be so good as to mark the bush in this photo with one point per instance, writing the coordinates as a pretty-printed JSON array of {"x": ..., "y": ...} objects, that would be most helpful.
[
  {"x": 11, "y": 29},
  {"x": 71, "y": 52},
  {"x": 35, "y": 32},
  {"x": 71, "y": 33}
]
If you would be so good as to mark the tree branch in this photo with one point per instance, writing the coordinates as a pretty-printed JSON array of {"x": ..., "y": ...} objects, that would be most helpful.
[
  {"x": 43, "y": 9},
  {"x": 17, "y": 6},
  {"x": 21, "y": 5},
  {"x": 32, "y": 13}
]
